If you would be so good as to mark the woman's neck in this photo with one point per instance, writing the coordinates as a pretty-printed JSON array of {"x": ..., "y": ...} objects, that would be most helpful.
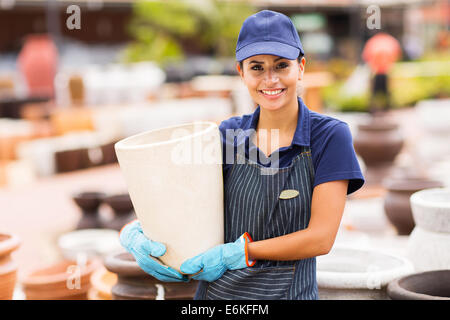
[{"x": 283, "y": 119}]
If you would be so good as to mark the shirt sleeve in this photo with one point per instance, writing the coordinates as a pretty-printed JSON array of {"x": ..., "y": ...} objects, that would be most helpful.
[{"x": 335, "y": 158}]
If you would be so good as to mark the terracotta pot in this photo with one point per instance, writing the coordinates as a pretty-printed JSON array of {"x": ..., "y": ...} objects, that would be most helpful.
[
  {"x": 134, "y": 284},
  {"x": 173, "y": 174},
  {"x": 8, "y": 268},
  {"x": 38, "y": 61},
  {"x": 123, "y": 211},
  {"x": 396, "y": 203},
  {"x": 431, "y": 285},
  {"x": 89, "y": 203},
  {"x": 59, "y": 282},
  {"x": 378, "y": 142},
  {"x": 102, "y": 282}
]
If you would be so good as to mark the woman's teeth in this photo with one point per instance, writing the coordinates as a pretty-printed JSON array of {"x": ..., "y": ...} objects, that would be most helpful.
[{"x": 271, "y": 92}]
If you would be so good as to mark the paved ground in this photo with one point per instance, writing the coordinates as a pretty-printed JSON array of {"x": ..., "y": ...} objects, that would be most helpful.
[{"x": 38, "y": 213}]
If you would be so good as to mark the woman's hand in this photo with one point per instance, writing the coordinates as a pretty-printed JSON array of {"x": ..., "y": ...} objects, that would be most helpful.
[
  {"x": 213, "y": 263},
  {"x": 132, "y": 238}
]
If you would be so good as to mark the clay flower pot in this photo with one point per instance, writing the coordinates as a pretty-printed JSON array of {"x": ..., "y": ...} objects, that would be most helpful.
[
  {"x": 429, "y": 242},
  {"x": 61, "y": 281},
  {"x": 123, "y": 211},
  {"x": 396, "y": 203},
  {"x": 8, "y": 268},
  {"x": 430, "y": 285},
  {"x": 378, "y": 142},
  {"x": 174, "y": 174},
  {"x": 352, "y": 274},
  {"x": 38, "y": 63},
  {"x": 134, "y": 284},
  {"x": 89, "y": 202},
  {"x": 102, "y": 282}
]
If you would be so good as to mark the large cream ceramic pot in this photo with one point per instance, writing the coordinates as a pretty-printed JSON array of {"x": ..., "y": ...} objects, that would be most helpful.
[{"x": 174, "y": 177}]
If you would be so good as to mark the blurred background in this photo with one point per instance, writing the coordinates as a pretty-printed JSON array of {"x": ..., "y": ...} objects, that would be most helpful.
[{"x": 78, "y": 76}]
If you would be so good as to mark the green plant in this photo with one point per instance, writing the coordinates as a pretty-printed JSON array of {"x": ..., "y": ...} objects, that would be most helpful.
[{"x": 162, "y": 29}]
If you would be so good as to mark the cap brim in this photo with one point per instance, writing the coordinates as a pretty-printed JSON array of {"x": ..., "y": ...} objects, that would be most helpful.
[{"x": 268, "y": 47}]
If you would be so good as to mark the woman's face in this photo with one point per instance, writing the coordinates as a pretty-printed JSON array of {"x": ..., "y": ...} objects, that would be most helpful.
[{"x": 271, "y": 80}]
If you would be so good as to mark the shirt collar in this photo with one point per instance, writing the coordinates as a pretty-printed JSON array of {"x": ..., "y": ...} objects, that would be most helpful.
[{"x": 302, "y": 132}]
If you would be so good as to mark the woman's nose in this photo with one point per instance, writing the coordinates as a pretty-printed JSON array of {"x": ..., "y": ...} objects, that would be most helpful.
[{"x": 271, "y": 76}]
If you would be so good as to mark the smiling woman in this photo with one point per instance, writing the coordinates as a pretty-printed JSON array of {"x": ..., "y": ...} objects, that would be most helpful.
[{"x": 282, "y": 208}]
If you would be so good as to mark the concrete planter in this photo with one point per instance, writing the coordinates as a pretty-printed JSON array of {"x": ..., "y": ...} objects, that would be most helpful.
[
  {"x": 174, "y": 178},
  {"x": 429, "y": 243},
  {"x": 430, "y": 285},
  {"x": 356, "y": 274}
]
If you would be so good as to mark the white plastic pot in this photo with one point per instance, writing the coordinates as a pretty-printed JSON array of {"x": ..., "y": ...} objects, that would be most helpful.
[{"x": 174, "y": 178}]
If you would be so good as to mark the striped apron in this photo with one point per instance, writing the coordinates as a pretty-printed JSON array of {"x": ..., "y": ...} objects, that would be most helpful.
[{"x": 252, "y": 205}]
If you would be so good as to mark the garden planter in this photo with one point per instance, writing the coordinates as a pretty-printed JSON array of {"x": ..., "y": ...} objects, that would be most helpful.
[
  {"x": 429, "y": 242},
  {"x": 70, "y": 160},
  {"x": 37, "y": 62},
  {"x": 396, "y": 203},
  {"x": 102, "y": 282},
  {"x": 174, "y": 178},
  {"x": 89, "y": 203},
  {"x": 94, "y": 243},
  {"x": 378, "y": 142},
  {"x": 123, "y": 211},
  {"x": 8, "y": 268},
  {"x": 430, "y": 285},
  {"x": 61, "y": 281},
  {"x": 134, "y": 284},
  {"x": 351, "y": 273}
]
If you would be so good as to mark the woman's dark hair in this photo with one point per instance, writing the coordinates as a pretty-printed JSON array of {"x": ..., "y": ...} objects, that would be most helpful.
[{"x": 299, "y": 59}]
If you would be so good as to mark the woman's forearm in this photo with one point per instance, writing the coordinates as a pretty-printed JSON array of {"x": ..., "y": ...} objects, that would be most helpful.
[{"x": 294, "y": 246}]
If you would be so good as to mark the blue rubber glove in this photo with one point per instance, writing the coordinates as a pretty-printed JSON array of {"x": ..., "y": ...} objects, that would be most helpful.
[
  {"x": 213, "y": 263},
  {"x": 132, "y": 238}
]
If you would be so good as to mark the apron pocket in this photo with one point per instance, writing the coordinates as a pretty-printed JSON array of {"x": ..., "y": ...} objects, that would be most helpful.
[{"x": 268, "y": 283}]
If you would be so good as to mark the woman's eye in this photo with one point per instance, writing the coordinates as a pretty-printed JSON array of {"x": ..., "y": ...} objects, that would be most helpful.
[
  {"x": 282, "y": 65},
  {"x": 257, "y": 67}
]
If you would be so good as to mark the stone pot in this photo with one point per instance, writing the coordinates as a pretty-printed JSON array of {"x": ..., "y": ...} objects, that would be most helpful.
[
  {"x": 123, "y": 211},
  {"x": 102, "y": 282},
  {"x": 430, "y": 285},
  {"x": 134, "y": 284},
  {"x": 91, "y": 243},
  {"x": 378, "y": 142},
  {"x": 174, "y": 178},
  {"x": 89, "y": 202},
  {"x": 60, "y": 281},
  {"x": 8, "y": 268},
  {"x": 429, "y": 243},
  {"x": 396, "y": 202},
  {"x": 352, "y": 273}
]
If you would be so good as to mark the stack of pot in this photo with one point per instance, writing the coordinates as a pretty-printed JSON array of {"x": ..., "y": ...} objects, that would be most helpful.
[{"x": 8, "y": 268}]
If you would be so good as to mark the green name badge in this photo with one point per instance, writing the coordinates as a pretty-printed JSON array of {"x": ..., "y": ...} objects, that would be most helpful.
[{"x": 289, "y": 194}]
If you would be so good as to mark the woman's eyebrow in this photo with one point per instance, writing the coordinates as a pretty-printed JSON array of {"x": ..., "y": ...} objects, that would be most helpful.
[{"x": 254, "y": 61}]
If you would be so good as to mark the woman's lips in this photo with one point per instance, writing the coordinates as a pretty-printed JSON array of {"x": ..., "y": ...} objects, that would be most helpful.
[{"x": 272, "y": 96}]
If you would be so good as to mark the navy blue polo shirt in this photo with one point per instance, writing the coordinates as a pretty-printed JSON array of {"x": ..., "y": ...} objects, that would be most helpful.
[{"x": 330, "y": 140}]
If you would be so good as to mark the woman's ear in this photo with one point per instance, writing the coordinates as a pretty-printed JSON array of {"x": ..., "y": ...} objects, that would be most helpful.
[
  {"x": 239, "y": 69},
  {"x": 301, "y": 67}
]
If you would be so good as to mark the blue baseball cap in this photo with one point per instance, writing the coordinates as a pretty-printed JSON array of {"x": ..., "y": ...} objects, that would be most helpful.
[{"x": 268, "y": 32}]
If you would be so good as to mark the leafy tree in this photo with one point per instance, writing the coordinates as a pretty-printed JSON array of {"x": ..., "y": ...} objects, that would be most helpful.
[{"x": 168, "y": 30}]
